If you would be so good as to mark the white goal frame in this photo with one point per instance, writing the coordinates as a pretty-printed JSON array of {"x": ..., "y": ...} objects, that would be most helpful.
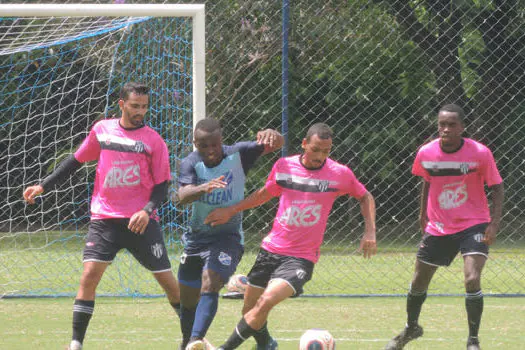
[{"x": 196, "y": 11}]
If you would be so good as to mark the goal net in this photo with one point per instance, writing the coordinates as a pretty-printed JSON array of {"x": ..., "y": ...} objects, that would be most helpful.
[{"x": 61, "y": 69}]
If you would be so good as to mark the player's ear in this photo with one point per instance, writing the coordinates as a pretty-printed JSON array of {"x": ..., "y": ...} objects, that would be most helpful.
[
  {"x": 121, "y": 103},
  {"x": 304, "y": 143}
]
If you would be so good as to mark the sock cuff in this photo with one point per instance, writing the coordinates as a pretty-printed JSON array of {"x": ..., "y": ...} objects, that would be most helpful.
[
  {"x": 474, "y": 295},
  {"x": 416, "y": 293},
  {"x": 263, "y": 328},
  {"x": 210, "y": 294},
  {"x": 84, "y": 306}
]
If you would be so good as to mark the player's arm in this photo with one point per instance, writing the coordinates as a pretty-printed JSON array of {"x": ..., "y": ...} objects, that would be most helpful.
[
  {"x": 423, "y": 202},
  {"x": 368, "y": 210},
  {"x": 61, "y": 173},
  {"x": 221, "y": 216},
  {"x": 271, "y": 139},
  {"x": 495, "y": 215},
  {"x": 190, "y": 193}
]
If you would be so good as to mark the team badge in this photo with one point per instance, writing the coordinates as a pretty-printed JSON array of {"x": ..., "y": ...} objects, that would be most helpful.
[
  {"x": 225, "y": 259},
  {"x": 139, "y": 147},
  {"x": 301, "y": 274},
  {"x": 322, "y": 186},
  {"x": 157, "y": 250},
  {"x": 463, "y": 167}
]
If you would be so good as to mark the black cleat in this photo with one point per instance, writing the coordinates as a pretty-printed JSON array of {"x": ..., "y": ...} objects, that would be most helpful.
[
  {"x": 473, "y": 343},
  {"x": 408, "y": 334}
]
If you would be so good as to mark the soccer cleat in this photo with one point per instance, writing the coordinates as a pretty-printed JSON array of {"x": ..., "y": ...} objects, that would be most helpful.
[
  {"x": 473, "y": 343},
  {"x": 196, "y": 345},
  {"x": 272, "y": 345},
  {"x": 408, "y": 334},
  {"x": 75, "y": 345}
]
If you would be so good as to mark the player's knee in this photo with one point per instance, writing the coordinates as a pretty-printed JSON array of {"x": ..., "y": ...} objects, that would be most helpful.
[
  {"x": 472, "y": 282},
  {"x": 265, "y": 303}
]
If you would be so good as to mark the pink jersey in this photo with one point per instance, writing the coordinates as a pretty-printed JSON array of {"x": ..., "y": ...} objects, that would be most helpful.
[
  {"x": 456, "y": 199},
  {"x": 130, "y": 164},
  {"x": 306, "y": 198}
]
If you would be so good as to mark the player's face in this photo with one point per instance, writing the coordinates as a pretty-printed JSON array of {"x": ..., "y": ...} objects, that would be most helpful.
[
  {"x": 134, "y": 109},
  {"x": 450, "y": 129},
  {"x": 209, "y": 146},
  {"x": 316, "y": 150}
]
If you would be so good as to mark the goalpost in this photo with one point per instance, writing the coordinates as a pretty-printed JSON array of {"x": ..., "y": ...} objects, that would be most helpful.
[{"x": 61, "y": 69}]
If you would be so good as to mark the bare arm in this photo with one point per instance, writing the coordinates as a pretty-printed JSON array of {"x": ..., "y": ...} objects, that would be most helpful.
[
  {"x": 271, "y": 139},
  {"x": 368, "y": 210},
  {"x": 423, "y": 202},
  {"x": 221, "y": 216},
  {"x": 496, "y": 212},
  {"x": 190, "y": 193}
]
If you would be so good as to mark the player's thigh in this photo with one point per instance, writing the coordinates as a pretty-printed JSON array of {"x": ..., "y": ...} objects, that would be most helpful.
[
  {"x": 102, "y": 243},
  {"x": 438, "y": 250},
  {"x": 148, "y": 248},
  {"x": 223, "y": 259},
  {"x": 190, "y": 270},
  {"x": 295, "y": 272}
]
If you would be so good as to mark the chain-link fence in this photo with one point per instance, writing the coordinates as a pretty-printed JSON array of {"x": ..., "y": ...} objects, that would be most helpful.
[{"x": 377, "y": 72}]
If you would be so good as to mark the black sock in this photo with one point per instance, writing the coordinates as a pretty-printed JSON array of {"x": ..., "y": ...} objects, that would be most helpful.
[
  {"x": 176, "y": 307},
  {"x": 415, "y": 301},
  {"x": 82, "y": 311},
  {"x": 474, "y": 305},
  {"x": 242, "y": 332},
  {"x": 187, "y": 318},
  {"x": 262, "y": 336}
]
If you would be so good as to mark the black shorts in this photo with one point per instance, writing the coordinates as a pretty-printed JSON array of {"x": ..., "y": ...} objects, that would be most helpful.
[
  {"x": 268, "y": 266},
  {"x": 441, "y": 250},
  {"x": 106, "y": 237}
]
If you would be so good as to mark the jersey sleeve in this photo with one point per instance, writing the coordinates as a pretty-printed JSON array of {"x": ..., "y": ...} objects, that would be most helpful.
[
  {"x": 89, "y": 149},
  {"x": 187, "y": 174},
  {"x": 160, "y": 162},
  {"x": 249, "y": 152},
  {"x": 351, "y": 184},
  {"x": 271, "y": 182},
  {"x": 417, "y": 168},
  {"x": 490, "y": 170}
]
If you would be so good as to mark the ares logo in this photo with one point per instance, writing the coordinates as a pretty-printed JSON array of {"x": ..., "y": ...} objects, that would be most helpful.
[
  {"x": 119, "y": 177},
  {"x": 301, "y": 274},
  {"x": 301, "y": 216},
  {"x": 453, "y": 198}
]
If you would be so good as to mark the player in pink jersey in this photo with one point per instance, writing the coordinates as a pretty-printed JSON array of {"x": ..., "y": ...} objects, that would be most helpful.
[
  {"x": 307, "y": 185},
  {"x": 454, "y": 217},
  {"x": 131, "y": 182}
]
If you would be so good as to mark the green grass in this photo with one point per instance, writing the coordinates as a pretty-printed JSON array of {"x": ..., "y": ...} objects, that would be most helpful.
[
  {"x": 356, "y": 323},
  {"x": 49, "y": 266}
]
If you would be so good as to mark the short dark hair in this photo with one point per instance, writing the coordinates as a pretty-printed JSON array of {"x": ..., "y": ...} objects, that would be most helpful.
[
  {"x": 129, "y": 87},
  {"x": 322, "y": 130},
  {"x": 208, "y": 125},
  {"x": 454, "y": 108}
]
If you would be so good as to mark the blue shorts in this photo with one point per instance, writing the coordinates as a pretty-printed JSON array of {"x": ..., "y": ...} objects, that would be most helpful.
[{"x": 222, "y": 256}]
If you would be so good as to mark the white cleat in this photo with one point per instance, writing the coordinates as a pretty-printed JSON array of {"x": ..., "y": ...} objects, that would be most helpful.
[
  {"x": 196, "y": 345},
  {"x": 75, "y": 345}
]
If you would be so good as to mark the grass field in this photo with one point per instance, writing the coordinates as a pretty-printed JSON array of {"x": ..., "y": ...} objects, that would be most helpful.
[{"x": 356, "y": 323}]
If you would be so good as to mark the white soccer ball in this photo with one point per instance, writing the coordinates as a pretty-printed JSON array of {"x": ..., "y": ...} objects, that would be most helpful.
[
  {"x": 237, "y": 283},
  {"x": 317, "y": 339}
]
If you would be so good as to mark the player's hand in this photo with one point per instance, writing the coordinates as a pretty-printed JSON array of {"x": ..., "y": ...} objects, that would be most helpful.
[
  {"x": 368, "y": 245},
  {"x": 138, "y": 222},
  {"x": 219, "y": 216},
  {"x": 270, "y": 138},
  {"x": 31, "y": 192},
  {"x": 490, "y": 233},
  {"x": 209, "y": 186}
]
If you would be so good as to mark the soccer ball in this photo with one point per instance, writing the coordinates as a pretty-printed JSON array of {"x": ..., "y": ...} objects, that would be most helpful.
[
  {"x": 317, "y": 339},
  {"x": 237, "y": 283}
]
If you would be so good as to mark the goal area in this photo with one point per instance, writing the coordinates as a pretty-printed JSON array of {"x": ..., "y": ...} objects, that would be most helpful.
[{"x": 61, "y": 70}]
